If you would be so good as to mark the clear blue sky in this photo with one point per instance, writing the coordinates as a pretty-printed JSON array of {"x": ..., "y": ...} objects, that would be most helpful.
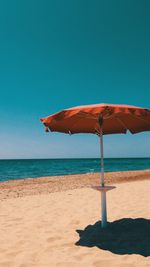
[{"x": 61, "y": 53}]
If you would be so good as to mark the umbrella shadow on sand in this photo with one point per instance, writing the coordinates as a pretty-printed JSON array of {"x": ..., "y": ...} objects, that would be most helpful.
[{"x": 125, "y": 236}]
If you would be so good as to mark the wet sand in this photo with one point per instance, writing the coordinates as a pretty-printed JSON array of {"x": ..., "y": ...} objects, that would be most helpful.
[{"x": 51, "y": 184}]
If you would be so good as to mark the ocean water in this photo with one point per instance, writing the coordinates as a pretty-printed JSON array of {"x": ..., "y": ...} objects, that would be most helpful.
[{"x": 28, "y": 168}]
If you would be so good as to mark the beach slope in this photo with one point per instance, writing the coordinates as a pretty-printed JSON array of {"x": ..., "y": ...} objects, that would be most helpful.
[{"x": 63, "y": 228}]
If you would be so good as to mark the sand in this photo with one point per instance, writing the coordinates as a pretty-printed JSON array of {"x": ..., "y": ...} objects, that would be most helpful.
[
  {"x": 42, "y": 229},
  {"x": 51, "y": 184}
]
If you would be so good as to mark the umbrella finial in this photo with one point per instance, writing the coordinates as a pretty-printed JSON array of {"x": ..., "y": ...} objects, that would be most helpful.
[
  {"x": 46, "y": 129},
  {"x": 100, "y": 119}
]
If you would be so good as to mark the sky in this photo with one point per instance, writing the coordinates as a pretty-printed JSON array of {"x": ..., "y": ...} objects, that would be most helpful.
[{"x": 61, "y": 53}]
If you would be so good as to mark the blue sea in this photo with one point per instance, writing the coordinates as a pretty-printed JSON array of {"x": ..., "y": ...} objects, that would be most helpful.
[{"x": 29, "y": 168}]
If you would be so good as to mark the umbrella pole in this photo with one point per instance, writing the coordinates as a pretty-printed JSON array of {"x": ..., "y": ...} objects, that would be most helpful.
[
  {"x": 102, "y": 188},
  {"x": 102, "y": 158},
  {"x": 103, "y": 192}
]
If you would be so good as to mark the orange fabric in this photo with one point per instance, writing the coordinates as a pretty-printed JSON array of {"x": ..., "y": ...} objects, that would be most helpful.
[{"x": 84, "y": 119}]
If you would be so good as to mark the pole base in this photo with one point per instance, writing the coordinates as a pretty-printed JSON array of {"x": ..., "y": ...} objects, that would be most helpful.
[{"x": 103, "y": 188}]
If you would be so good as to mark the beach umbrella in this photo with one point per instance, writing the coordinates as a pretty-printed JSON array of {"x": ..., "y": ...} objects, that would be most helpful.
[{"x": 100, "y": 119}]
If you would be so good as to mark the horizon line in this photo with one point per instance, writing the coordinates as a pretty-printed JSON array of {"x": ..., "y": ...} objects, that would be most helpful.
[{"x": 74, "y": 158}]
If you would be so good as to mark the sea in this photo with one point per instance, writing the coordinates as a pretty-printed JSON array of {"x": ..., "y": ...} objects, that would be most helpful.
[{"x": 32, "y": 168}]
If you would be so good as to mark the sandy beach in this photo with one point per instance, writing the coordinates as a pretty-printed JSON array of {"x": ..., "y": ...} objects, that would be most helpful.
[{"x": 55, "y": 221}]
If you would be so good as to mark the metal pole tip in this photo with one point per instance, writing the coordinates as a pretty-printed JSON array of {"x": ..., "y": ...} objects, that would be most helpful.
[{"x": 100, "y": 119}]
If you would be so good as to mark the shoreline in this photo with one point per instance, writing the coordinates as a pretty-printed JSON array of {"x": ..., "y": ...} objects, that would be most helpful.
[{"x": 51, "y": 184}]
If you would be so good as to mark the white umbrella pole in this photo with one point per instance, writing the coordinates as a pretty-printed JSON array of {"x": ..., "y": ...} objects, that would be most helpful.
[
  {"x": 103, "y": 192},
  {"x": 102, "y": 158},
  {"x": 102, "y": 188}
]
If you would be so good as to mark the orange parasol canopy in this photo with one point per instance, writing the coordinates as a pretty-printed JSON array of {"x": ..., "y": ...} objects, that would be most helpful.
[
  {"x": 84, "y": 119},
  {"x": 100, "y": 119}
]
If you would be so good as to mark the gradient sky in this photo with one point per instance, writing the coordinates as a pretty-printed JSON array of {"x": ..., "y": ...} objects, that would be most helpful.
[{"x": 61, "y": 53}]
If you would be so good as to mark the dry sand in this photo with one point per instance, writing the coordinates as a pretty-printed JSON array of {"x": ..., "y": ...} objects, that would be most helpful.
[{"x": 62, "y": 228}]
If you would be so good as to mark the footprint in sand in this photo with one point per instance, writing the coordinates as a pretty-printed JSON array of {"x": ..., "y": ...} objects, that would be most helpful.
[
  {"x": 5, "y": 264},
  {"x": 81, "y": 256},
  {"x": 74, "y": 222},
  {"x": 17, "y": 219},
  {"x": 108, "y": 263},
  {"x": 69, "y": 264},
  {"x": 13, "y": 254},
  {"x": 53, "y": 239}
]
